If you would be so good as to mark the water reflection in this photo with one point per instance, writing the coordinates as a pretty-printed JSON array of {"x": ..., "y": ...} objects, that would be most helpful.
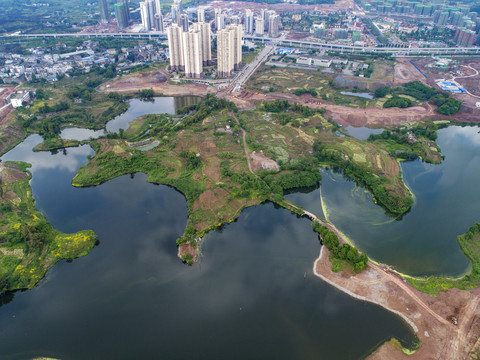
[
  {"x": 45, "y": 160},
  {"x": 159, "y": 105},
  {"x": 80, "y": 134},
  {"x": 252, "y": 291},
  {"x": 446, "y": 205},
  {"x": 362, "y": 132}
]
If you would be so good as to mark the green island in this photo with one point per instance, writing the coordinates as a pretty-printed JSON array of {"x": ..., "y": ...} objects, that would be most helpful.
[
  {"x": 57, "y": 143},
  {"x": 29, "y": 245}
]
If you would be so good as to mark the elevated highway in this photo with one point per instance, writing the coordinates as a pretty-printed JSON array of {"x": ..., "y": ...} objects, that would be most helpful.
[{"x": 396, "y": 51}]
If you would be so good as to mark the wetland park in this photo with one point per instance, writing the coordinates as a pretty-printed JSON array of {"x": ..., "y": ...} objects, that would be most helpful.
[{"x": 257, "y": 185}]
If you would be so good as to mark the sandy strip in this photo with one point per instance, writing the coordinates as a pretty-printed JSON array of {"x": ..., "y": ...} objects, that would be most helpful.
[{"x": 356, "y": 296}]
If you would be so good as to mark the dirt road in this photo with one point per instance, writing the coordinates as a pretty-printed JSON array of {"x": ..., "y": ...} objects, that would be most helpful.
[
  {"x": 244, "y": 134},
  {"x": 428, "y": 315}
]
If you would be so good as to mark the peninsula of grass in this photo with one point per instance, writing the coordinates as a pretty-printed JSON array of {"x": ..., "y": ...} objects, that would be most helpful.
[
  {"x": 57, "y": 143},
  {"x": 29, "y": 245},
  {"x": 370, "y": 166},
  {"x": 470, "y": 245},
  {"x": 202, "y": 155},
  {"x": 411, "y": 142}
]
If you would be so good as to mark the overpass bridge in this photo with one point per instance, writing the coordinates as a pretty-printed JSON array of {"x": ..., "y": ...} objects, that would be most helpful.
[{"x": 394, "y": 50}]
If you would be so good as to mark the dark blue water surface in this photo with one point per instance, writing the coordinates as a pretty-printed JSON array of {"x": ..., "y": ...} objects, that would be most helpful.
[{"x": 251, "y": 296}]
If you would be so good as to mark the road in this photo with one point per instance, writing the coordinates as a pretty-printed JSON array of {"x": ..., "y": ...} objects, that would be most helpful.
[
  {"x": 243, "y": 76},
  {"x": 410, "y": 51},
  {"x": 391, "y": 277}
]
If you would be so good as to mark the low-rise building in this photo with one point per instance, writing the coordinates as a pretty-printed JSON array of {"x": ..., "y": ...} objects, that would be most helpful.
[{"x": 19, "y": 98}]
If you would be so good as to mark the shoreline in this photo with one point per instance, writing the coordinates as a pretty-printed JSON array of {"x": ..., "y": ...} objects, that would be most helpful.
[
  {"x": 427, "y": 315},
  {"x": 356, "y": 296}
]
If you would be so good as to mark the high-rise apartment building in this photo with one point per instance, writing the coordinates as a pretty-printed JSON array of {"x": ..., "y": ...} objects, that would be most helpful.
[
  {"x": 201, "y": 14},
  {"x": 147, "y": 12},
  {"x": 259, "y": 26},
  {"x": 225, "y": 43},
  {"x": 274, "y": 25},
  {"x": 151, "y": 15},
  {"x": 192, "y": 51},
  {"x": 229, "y": 49},
  {"x": 145, "y": 16},
  {"x": 237, "y": 49},
  {"x": 183, "y": 22},
  {"x": 263, "y": 15},
  {"x": 121, "y": 15},
  {"x": 249, "y": 21},
  {"x": 204, "y": 29},
  {"x": 220, "y": 21},
  {"x": 126, "y": 9},
  {"x": 443, "y": 18},
  {"x": 175, "y": 9},
  {"x": 104, "y": 14},
  {"x": 268, "y": 15},
  {"x": 158, "y": 25},
  {"x": 464, "y": 37},
  {"x": 158, "y": 22},
  {"x": 175, "y": 47}
]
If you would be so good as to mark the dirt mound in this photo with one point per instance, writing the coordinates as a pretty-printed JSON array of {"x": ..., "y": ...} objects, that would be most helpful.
[
  {"x": 260, "y": 162},
  {"x": 405, "y": 72},
  {"x": 10, "y": 173}
]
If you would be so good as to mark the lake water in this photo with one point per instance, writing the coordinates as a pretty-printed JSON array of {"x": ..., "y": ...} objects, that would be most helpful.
[
  {"x": 362, "y": 132},
  {"x": 159, "y": 105},
  {"x": 251, "y": 296},
  {"x": 423, "y": 242}
]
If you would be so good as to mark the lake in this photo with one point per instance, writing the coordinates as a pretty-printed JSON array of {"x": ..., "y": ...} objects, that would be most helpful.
[
  {"x": 423, "y": 242},
  {"x": 137, "y": 107},
  {"x": 252, "y": 294}
]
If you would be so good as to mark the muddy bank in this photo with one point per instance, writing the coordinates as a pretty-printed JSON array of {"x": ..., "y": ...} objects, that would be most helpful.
[{"x": 428, "y": 316}]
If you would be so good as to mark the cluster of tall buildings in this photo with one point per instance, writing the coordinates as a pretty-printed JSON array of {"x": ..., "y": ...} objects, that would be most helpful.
[
  {"x": 267, "y": 22},
  {"x": 190, "y": 50},
  {"x": 437, "y": 9},
  {"x": 455, "y": 17},
  {"x": 190, "y": 46},
  {"x": 122, "y": 13},
  {"x": 151, "y": 13},
  {"x": 464, "y": 37}
]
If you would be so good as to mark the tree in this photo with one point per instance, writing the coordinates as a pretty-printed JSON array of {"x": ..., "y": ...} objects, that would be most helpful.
[
  {"x": 3, "y": 284},
  {"x": 382, "y": 92}
]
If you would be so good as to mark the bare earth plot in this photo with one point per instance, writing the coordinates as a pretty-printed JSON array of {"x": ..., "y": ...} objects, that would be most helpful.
[
  {"x": 156, "y": 80},
  {"x": 470, "y": 80}
]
